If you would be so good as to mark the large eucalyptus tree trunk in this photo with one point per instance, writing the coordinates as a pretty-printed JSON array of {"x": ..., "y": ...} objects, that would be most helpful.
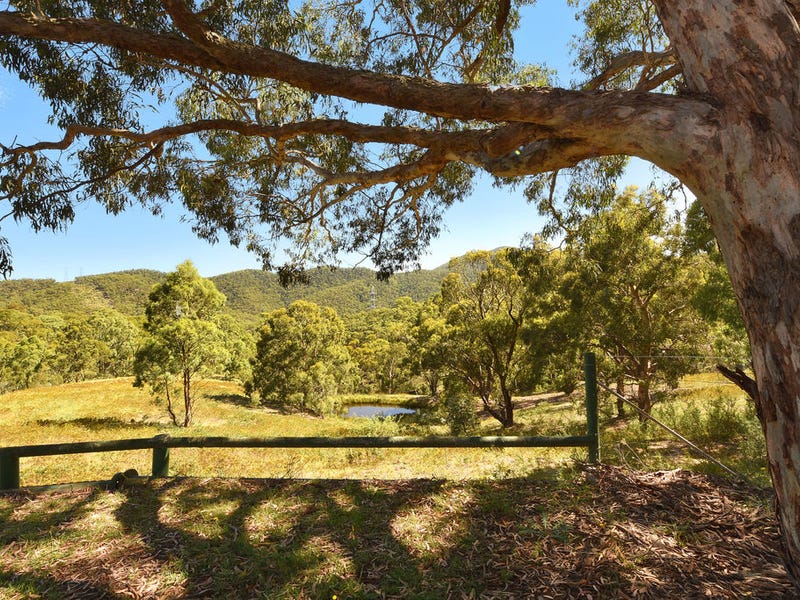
[{"x": 746, "y": 57}]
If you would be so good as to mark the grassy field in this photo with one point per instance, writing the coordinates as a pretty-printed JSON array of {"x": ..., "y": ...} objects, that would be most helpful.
[
  {"x": 416, "y": 523},
  {"x": 114, "y": 410},
  {"x": 704, "y": 409}
]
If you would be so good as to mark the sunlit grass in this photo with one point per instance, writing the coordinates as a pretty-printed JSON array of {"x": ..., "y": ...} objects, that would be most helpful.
[
  {"x": 429, "y": 534},
  {"x": 114, "y": 409},
  {"x": 705, "y": 408}
]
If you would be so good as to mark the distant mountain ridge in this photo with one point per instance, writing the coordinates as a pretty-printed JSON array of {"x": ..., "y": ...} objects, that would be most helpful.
[{"x": 250, "y": 293}]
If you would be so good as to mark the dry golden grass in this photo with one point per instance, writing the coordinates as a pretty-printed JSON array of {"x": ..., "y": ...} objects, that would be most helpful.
[{"x": 114, "y": 409}]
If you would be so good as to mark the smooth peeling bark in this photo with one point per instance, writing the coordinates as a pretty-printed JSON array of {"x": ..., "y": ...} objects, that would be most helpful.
[{"x": 746, "y": 57}]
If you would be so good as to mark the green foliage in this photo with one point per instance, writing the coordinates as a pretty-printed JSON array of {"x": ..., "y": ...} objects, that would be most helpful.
[
  {"x": 50, "y": 348},
  {"x": 347, "y": 291},
  {"x": 714, "y": 420},
  {"x": 183, "y": 339},
  {"x": 76, "y": 352},
  {"x": 631, "y": 288},
  {"x": 383, "y": 345},
  {"x": 88, "y": 328},
  {"x": 614, "y": 28},
  {"x": 46, "y": 296},
  {"x": 501, "y": 309},
  {"x": 459, "y": 407},
  {"x": 22, "y": 363},
  {"x": 125, "y": 291},
  {"x": 258, "y": 189},
  {"x": 116, "y": 338},
  {"x": 301, "y": 360}
]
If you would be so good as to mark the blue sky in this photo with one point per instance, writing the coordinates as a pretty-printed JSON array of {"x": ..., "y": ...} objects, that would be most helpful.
[{"x": 101, "y": 243}]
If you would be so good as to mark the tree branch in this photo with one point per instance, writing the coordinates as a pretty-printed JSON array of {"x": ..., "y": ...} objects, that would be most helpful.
[
  {"x": 633, "y": 122},
  {"x": 746, "y": 383},
  {"x": 355, "y": 132},
  {"x": 629, "y": 60}
]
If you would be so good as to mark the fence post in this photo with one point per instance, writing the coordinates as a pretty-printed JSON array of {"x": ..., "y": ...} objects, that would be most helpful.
[
  {"x": 592, "y": 423},
  {"x": 9, "y": 471},
  {"x": 161, "y": 458}
]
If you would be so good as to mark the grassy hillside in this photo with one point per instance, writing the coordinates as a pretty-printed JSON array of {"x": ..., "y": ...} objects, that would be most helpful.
[{"x": 251, "y": 293}]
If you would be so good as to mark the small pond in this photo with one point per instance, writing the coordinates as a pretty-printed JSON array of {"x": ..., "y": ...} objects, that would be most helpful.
[{"x": 376, "y": 410}]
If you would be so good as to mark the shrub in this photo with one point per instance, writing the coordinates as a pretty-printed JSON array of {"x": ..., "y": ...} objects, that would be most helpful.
[
  {"x": 459, "y": 408},
  {"x": 719, "y": 421}
]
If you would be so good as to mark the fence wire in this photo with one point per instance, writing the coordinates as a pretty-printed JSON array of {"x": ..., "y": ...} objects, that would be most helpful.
[{"x": 667, "y": 428}]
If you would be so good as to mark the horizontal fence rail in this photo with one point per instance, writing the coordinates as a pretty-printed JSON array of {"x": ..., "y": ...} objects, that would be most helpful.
[
  {"x": 161, "y": 444},
  {"x": 9, "y": 457}
]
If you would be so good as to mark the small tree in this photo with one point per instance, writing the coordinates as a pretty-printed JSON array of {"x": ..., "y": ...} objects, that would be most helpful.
[
  {"x": 485, "y": 305},
  {"x": 182, "y": 339},
  {"x": 301, "y": 359}
]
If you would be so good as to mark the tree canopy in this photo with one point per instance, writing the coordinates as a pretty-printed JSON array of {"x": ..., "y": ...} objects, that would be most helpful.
[
  {"x": 270, "y": 135},
  {"x": 301, "y": 360},
  {"x": 183, "y": 336}
]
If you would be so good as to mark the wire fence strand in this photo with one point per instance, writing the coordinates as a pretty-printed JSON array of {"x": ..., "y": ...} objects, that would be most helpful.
[{"x": 666, "y": 427}]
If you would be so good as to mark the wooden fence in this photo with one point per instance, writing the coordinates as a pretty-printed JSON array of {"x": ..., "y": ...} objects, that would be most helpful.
[{"x": 161, "y": 444}]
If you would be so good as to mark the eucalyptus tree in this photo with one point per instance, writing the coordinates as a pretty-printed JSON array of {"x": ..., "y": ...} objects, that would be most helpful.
[
  {"x": 183, "y": 339},
  {"x": 76, "y": 351},
  {"x": 633, "y": 290},
  {"x": 23, "y": 362},
  {"x": 117, "y": 337},
  {"x": 482, "y": 302},
  {"x": 301, "y": 360},
  {"x": 267, "y": 137},
  {"x": 27, "y": 344}
]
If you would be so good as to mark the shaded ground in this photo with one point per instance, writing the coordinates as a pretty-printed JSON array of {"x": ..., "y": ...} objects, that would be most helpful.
[{"x": 593, "y": 533}]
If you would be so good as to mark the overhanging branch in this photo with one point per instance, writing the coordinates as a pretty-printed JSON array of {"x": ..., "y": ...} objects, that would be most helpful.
[{"x": 635, "y": 122}]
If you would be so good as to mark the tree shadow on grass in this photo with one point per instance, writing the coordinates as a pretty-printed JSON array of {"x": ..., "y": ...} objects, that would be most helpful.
[
  {"x": 98, "y": 423},
  {"x": 33, "y": 524},
  {"x": 41, "y": 516},
  {"x": 29, "y": 585},
  {"x": 599, "y": 532},
  {"x": 278, "y": 538},
  {"x": 234, "y": 399}
]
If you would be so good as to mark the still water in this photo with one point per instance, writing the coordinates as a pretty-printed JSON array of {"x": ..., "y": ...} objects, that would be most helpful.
[{"x": 373, "y": 410}]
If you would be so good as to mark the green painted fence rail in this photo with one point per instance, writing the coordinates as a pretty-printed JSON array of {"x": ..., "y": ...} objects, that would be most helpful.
[{"x": 161, "y": 444}]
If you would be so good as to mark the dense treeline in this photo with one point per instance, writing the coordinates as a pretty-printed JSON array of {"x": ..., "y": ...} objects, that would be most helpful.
[{"x": 495, "y": 326}]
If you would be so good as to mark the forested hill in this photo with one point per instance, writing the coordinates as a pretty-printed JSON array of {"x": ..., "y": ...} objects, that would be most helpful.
[
  {"x": 125, "y": 291},
  {"x": 252, "y": 292},
  {"x": 249, "y": 293}
]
